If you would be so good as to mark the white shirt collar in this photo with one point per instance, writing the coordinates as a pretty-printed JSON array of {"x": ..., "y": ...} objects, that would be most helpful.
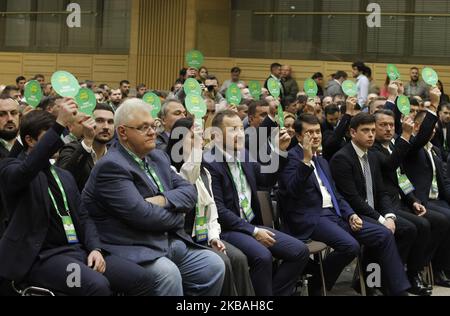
[{"x": 358, "y": 150}]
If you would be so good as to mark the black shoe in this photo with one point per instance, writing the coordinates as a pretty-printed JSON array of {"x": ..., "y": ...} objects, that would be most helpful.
[
  {"x": 417, "y": 286},
  {"x": 440, "y": 279}
]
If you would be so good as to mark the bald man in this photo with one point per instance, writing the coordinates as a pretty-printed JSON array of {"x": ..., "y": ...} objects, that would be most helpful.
[{"x": 291, "y": 86}]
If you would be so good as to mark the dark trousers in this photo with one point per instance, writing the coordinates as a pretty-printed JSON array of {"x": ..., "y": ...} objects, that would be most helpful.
[
  {"x": 431, "y": 231},
  {"x": 237, "y": 280},
  {"x": 337, "y": 234},
  {"x": 121, "y": 276},
  {"x": 266, "y": 282},
  {"x": 441, "y": 258}
]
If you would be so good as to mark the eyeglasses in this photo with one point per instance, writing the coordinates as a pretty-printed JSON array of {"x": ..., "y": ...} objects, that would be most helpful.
[{"x": 143, "y": 129}]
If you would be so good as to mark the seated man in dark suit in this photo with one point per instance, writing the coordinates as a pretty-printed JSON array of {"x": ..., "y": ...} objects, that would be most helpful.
[
  {"x": 425, "y": 169},
  {"x": 80, "y": 157},
  {"x": 442, "y": 138},
  {"x": 432, "y": 227},
  {"x": 313, "y": 209},
  {"x": 235, "y": 181},
  {"x": 139, "y": 203},
  {"x": 50, "y": 237},
  {"x": 357, "y": 174}
]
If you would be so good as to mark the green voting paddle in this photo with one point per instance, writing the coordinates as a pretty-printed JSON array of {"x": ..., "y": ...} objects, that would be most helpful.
[
  {"x": 65, "y": 84},
  {"x": 393, "y": 72},
  {"x": 311, "y": 88},
  {"x": 234, "y": 95},
  {"x": 430, "y": 76},
  {"x": 196, "y": 105},
  {"x": 194, "y": 59},
  {"x": 191, "y": 86},
  {"x": 255, "y": 89},
  {"x": 154, "y": 101},
  {"x": 274, "y": 88},
  {"x": 86, "y": 101},
  {"x": 404, "y": 105},
  {"x": 350, "y": 88},
  {"x": 33, "y": 93}
]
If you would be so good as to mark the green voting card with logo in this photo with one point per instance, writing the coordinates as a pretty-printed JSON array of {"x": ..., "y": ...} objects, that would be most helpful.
[
  {"x": 255, "y": 89},
  {"x": 65, "y": 84},
  {"x": 191, "y": 86},
  {"x": 430, "y": 76},
  {"x": 86, "y": 101},
  {"x": 234, "y": 95},
  {"x": 194, "y": 59},
  {"x": 404, "y": 105},
  {"x": 154, "y": 101},
  {"x": 311, "y": 88},
  {"x": 274, "y": 87},
  {"x": 33, "y": 93},
  {"x": 350, "y": 88},
  {"x": 196, "y": 105},
  {"x": 393, "y": 72}
]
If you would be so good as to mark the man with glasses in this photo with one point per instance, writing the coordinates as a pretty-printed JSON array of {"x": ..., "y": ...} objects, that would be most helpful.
[{"x": 139, "y": 204}]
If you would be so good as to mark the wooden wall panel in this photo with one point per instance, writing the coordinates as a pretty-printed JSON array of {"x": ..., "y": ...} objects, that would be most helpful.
[
  {"x": 161, "y": 42},
  {"x": 10, "y": 67}
]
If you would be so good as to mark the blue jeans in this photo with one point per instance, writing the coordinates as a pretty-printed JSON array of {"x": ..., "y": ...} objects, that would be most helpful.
[{"x": 186, "y": 271}]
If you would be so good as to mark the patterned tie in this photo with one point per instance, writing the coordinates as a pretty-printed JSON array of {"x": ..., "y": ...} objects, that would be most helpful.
[{"x": 368, "y": 177}]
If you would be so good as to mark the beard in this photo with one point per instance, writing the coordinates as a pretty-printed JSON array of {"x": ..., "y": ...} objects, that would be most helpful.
[
  {"x": 103, "y": 141},
  {"x": 8, "y": 135}
]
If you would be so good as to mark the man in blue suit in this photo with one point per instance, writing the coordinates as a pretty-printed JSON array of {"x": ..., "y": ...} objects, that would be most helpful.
[
  {"x": 139, "y": 203},
  {"x": 313, "y": 209},
  {"x": 235, "y": 179},
  {"x": 49, "y": 236}
]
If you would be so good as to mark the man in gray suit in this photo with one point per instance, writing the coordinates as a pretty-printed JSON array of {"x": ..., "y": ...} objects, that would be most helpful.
[
  {"x": 335, "y": 86},
  {"x": 138, "y": 204}
]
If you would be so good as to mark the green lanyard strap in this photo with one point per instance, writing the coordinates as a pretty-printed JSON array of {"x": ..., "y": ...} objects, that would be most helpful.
[
  {"x": 63, "y": 193},
  {"x": 148, "y": 170}
]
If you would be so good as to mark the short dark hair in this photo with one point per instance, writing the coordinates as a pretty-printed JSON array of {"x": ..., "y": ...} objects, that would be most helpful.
[
  {"x": 305, "y": 118},
  {"x": 414, "y": 68},
  {"x": 317, "y": 75},
  {"x": 103, "y": 107},
  {"x": 332, "y": 110},
  {"x": 236, "y": 69},
  {"x": 124, "y": 82},
  {"x": 20, "y": 78},
  {"x": 254, "y": 105},
  {"x": 361, "y": 66},
  {"x": 362, "y": 119},
  {"x": 38, "y": 76},
  {"x": 445, "y": 105},
  {"x": 141, "y": 85},
  {"x": 302, "y": 99},
  {"x": 212, "y": 77},
  {"x": 414, "y": 102},
  {"x": 340, "y": 74},
  {"x": 378, "y": 113},
  {"x": 47, "y": 102},
  {"x": 8, "y": 89},
  {"x": 34, "y": 123},
  {"x": 289, "y": 100},
  {"x": 275, "y": 65},
  {"x": 218, "y": 119}
]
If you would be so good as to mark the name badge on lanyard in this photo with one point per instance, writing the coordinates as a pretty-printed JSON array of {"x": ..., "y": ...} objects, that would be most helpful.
[{"x": 405, "y": 185}]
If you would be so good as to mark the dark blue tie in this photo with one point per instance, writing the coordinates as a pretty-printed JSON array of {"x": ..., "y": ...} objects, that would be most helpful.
[{"x": 326, "y": 183}]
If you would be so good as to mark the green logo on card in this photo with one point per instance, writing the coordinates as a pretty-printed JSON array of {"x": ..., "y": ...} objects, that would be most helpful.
[
  {"x": 234, "y": 95},
  {"x": 154, "y": 101},
  {"x": 86, "y": 101},
  {"x": 196, "y": 105},
  {"x": 311, "y": 88},
  {"x": 194, "y": 59},
  {"x": 393, "y": 72},
  {"x": 430, "y": 76},
  {"x": 191, "y": 86},
  {"x": 274, "y": 87},
  {"x": 33, "y": 93},
  {"x": 404, "y": 105},
  {"x": 255, "y": 89},
  {"x": 65, "y": 84},
  {"x": 350, "y": 88}
]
